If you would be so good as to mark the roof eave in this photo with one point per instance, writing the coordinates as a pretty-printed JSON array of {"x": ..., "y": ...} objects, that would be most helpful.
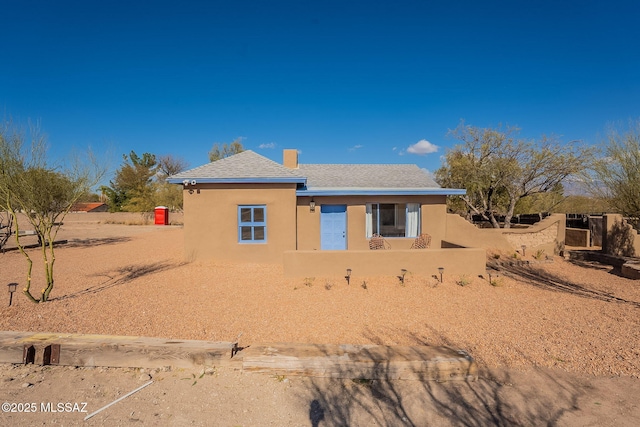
[{"x": 264, "y": 180}]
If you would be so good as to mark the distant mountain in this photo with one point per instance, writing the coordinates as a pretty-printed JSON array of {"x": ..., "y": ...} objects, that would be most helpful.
[{"x": 576, "y": 187}]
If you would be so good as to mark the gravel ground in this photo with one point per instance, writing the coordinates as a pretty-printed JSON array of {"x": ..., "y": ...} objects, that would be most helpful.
[{"x": 134, "y": 280}]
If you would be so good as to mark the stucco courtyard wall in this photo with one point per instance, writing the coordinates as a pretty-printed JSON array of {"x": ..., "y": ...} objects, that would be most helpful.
[
  {"x": 547, "y": 235},
  {"x": 467, "y": 261},
  {"x": 125, "y": 218}
]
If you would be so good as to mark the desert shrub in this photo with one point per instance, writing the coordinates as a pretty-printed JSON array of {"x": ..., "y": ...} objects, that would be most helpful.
[
  {"x": 463, "y": 281},
  {"x": 496, "y": 282}
]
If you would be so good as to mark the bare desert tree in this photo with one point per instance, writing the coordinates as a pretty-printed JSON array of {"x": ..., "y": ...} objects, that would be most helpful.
[
  {"x": 6, "y": 227},
  {"x": 166, "y": 194},
  {"x": 170, "y": 165},
  {"x": 498, "y": 168},
  {"x": 42, "y": 193}
]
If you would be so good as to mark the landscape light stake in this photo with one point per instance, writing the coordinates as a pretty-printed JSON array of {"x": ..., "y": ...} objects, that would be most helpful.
[
  {"x": 440, "y": 270},
  {"x": 401, "y": 277},
  {"x": 348, "y": 276},
  {"x": 495, "y": 274},
  {"x": 524, "y": 247},
  {"x": 12, "y": 289}
]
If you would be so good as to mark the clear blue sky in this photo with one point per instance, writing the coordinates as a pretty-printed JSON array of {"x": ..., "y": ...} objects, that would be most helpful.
[{"x": 342, "y": 81}]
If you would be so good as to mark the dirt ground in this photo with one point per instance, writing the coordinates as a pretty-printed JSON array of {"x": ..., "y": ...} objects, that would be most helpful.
[
  {"x": 557, "y": 343},
  {"x": 225, "y": 397}
]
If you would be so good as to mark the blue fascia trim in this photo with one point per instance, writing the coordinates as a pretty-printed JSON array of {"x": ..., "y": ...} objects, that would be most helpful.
[
  {"x": 385, "y": 192},
  {"x": 296, "y": 180}
]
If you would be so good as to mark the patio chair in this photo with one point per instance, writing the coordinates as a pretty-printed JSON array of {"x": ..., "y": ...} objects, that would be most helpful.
[
  {"x": 378, "y": 242},
  {"x": 423, "y": 241}
]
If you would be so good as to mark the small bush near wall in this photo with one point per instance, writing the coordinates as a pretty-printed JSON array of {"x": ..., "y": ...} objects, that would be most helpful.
[{"x": 463, "y": 281}]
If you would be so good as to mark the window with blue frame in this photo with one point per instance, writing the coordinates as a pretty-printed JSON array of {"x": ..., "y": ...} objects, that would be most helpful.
[{"x": 252, "y": 224}]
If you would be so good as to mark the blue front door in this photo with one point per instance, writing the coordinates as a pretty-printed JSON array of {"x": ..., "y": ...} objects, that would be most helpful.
[{"x": 333, "y": 227}]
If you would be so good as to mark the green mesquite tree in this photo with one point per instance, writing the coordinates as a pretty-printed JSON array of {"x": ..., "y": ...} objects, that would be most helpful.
[
  {"x": 617, "y": 174},
  {"x": 220, "y": 151},
  {"x": 132, "y": 189}
]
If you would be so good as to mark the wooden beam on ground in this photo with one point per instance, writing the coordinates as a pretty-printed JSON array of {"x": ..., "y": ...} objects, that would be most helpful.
[
  {"x": 420, "y": 363},
  {"x": 360, "y": 361},
  {"x": 112, "y": 351}
]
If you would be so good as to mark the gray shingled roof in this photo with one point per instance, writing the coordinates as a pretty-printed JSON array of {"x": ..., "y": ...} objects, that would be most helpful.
[
  {"x": 366, "y": 176},
  {"x": 245, "y": 166},
  {"x": 318, "y": 179}
]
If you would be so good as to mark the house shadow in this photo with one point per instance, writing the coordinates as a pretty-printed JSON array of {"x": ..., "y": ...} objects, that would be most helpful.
[
  {"x": 122, "y": 276},
  {"x": 496, "y": 398},
  {"x": 542, "y": 279},
  {"x": 615, "y": 270},
  {"x": 92, "y": 242},
  {"x": 595, "y": 265}
]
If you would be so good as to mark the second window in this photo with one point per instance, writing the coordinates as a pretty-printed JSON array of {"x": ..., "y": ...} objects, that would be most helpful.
[{"x": 393, "y": 219}]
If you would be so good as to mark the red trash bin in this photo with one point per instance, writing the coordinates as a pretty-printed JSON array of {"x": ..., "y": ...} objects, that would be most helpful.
[{"x": 162, "y": 215}]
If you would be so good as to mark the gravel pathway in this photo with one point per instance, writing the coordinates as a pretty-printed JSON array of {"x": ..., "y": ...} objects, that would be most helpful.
[{"x": 134, "y": 280}]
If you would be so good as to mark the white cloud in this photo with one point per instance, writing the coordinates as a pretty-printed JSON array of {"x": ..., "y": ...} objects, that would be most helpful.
[
  {"x": 355, "y": 147},
  {"x": 270, "y": 145},
  {"x": 422, "y": 147}
]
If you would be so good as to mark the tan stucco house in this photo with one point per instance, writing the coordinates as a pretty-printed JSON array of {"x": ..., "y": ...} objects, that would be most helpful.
[{"x": 319, "y": 219}]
